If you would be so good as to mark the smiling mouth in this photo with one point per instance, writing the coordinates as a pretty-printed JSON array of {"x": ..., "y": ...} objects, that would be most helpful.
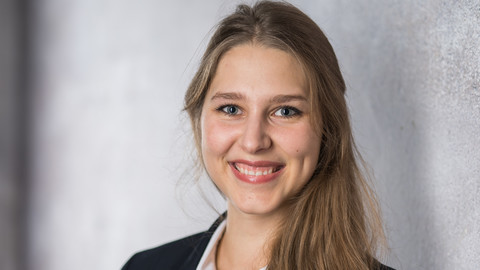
[{"x": 256, "y": 170}]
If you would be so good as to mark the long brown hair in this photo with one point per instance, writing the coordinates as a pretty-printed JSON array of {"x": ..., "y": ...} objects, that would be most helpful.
[{"x": 334, "y": 221}]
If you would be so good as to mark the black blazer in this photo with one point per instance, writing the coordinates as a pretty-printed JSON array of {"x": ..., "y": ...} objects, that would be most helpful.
[{"x": 183, "y": 254}]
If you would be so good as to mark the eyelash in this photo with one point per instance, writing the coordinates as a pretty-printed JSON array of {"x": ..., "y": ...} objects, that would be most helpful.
[
  {"x": 223, "y": 108},
  {"x": 296, "y": 112}
]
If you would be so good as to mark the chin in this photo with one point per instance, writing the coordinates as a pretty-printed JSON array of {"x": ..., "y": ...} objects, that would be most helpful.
[{"x": 255, "y": 206}]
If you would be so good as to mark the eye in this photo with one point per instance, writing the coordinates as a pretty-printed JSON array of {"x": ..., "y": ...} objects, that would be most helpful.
[
  {"x": 287, "y": 112},
  {"x": 230, "y": 109}
]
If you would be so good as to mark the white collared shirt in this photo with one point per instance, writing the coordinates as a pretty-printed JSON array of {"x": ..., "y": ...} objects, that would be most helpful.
[{"x": 207, "y": 262}]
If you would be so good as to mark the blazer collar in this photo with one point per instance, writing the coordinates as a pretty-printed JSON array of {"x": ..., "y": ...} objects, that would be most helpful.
[{"x": 193, "y": 259}]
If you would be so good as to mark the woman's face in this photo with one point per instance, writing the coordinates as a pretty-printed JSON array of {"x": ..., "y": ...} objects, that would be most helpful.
[{"x": 258, "y": 144}]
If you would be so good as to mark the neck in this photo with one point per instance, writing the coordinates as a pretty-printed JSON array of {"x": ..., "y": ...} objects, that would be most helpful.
[{"x": 245, "y": 243}]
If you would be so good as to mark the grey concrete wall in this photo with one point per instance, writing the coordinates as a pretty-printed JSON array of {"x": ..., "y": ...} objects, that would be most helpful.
[
  {"x": 110, "y": 142},
  {"x": 10, "y": 200},
  {"x": 413, "y": 71}
]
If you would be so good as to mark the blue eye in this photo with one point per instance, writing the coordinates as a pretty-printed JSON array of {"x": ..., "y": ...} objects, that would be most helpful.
[
  {"x": 230, "y": 109},
  {"x": 287, "y": 112}
]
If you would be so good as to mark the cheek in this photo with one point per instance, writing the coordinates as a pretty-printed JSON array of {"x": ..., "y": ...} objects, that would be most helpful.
[
  {"x": 216, "y": 138},
  {"x": 301, "y": 142}
]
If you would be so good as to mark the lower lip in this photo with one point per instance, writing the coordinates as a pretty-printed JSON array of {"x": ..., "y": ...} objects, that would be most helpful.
[{"x": 255, "y": 179}]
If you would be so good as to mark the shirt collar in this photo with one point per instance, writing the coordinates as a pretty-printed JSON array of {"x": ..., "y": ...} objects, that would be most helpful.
[{"x": 207, "y": 262}]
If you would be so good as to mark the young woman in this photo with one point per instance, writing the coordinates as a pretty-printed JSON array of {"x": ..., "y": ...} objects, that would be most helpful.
[{"x": 271, "y": 126}]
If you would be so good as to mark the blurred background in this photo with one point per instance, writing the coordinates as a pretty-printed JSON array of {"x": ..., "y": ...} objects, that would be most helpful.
[{"x": 96, "y": 155}]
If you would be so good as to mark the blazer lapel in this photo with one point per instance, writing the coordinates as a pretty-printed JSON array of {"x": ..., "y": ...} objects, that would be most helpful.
[{"x": 193, "y": 259}]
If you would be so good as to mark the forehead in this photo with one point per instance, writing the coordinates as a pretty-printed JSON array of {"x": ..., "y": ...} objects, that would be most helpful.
[{"x": 258, "y": 70}]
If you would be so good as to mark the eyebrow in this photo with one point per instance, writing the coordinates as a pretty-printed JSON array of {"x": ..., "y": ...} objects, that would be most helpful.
[
  {"x": 287, "y": 98},
  {"x": 275, "y": 99},
  {"x": 230, "y": 96}
]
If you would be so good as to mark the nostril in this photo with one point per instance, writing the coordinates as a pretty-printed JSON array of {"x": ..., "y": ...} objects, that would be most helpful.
[{"x": 255, "y": 137}]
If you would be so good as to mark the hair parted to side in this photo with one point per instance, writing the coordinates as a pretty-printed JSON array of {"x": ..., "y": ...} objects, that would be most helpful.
[{"x": 334, "y": 221}]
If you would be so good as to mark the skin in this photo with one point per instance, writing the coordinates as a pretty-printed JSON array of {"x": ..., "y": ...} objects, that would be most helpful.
[{"x": 256, "y": 110}]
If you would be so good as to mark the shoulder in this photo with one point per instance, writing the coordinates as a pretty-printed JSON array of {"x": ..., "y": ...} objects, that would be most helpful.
[{"x": 179, "y": 254}]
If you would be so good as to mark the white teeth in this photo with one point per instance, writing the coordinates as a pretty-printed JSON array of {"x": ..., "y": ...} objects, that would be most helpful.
[{"x": 255, "y": 172}]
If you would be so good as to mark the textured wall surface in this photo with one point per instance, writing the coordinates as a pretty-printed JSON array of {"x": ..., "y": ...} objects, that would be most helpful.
[
  {"x": 413, "y": 70},
  {"x": 9, "y": 88},
  {"x": 110, "y": 142}
]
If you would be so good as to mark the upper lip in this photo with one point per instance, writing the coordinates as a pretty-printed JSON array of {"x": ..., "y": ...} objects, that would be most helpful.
[{"x": 259, "y": 163}]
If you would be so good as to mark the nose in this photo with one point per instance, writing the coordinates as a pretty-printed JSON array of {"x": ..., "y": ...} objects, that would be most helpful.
[{"x": 255, "y": 137}]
